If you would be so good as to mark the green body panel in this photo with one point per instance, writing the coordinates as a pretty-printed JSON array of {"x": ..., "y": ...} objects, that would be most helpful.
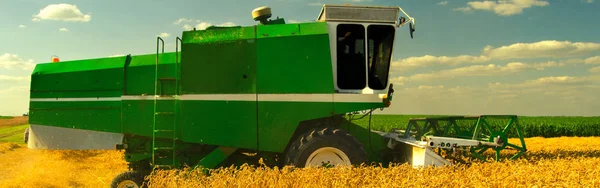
[
  {"x": 97, "y": 78},
  {"x": 223, "y": 123},
  {"x": 232, "y": 72},
  {"x": 84, "y": 78},
  {"x": 217, "y": 35},
  {"x": 275, "y": 31},
  {"x": 284, "y": 67},
  {"x": 98, "y": 115},
  {"x": 216, "y": 157},
  {"x": 137, "y": 117},
  {"x": 140, "y": 73},
  {"x": 277, "y": 121}
]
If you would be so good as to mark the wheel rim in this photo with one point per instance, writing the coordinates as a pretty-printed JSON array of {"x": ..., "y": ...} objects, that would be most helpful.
[
  {"x": 127, "y": 184},
  {"x": 328, "y": 156}
]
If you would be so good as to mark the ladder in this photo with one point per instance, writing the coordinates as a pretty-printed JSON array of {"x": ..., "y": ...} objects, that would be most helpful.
[{"x": 164, "y": 135}]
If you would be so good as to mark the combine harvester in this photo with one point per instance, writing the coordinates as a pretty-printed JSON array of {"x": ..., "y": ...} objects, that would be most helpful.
[{"x": 284, "y": 92}]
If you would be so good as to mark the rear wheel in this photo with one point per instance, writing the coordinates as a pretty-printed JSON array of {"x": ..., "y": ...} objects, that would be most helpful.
[
  {"x": 128, "y": 179},
  {"x": 325, "y": 147},
  {"x": 26, "y": 135}
]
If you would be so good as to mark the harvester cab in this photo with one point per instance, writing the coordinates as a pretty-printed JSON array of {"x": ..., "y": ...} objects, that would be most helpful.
[{"x": 362, "y": 40}]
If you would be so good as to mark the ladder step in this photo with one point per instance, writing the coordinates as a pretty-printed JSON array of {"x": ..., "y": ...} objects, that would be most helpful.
[
  {"x": 163, "y": 148},
  {"x": 164, "y": 113}
]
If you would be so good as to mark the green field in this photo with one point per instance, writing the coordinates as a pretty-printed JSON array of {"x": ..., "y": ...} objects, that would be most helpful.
[
  {"x": 6, "y": 117},
  {"x": 538, "y": 126},
  {"x": 12, "y": 134}
]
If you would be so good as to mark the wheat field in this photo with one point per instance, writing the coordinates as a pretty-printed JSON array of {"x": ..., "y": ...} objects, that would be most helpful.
[{"x": 550, "y": 162}]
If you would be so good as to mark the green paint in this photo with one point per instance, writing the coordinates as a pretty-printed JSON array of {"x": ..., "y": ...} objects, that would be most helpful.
[
  {"x": 224, "y": 123},
  {"x": 262, "y": 59},
  {"x": 215, "y": 157},
  {"x": 482, "y": 128},
  {"x": 233, "y": 72},
  {"x": 277, "y": 121},
  {"x": 285, "y": 68},
  {"x": 137, "y": 117},
  {"x": 98, "y": 115},
  {"x": 217, "y": 35}
]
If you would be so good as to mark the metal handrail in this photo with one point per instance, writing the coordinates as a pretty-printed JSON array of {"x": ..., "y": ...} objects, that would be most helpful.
[{"x": 177, "y": 40}]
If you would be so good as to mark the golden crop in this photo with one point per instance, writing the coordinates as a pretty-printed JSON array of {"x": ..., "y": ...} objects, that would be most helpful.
[
  {"x": 553, "y": 162},
  {"x": 550, "y": 162},
  {"x": 24, "y": 167},
  {"x": 4, "y": 147}
]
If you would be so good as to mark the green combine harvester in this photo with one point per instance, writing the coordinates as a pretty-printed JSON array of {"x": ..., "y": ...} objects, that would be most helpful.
[{"x": 287, "y": 93}]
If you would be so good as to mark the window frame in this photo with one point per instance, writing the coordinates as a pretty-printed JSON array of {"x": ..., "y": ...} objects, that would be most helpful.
[{"x": 332, "y": 27}]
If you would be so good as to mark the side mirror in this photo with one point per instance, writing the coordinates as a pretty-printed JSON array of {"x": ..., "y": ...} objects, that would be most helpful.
[
  {"x": 412, "y": 29},
  {"x": 390, "y": 91}
]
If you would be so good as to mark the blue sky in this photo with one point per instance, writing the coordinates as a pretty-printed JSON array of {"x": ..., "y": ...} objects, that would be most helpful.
[{"x": 525, "y": 57}]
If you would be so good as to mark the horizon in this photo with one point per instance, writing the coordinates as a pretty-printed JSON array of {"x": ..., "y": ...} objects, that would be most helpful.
[{"x": 521, "y": 57}]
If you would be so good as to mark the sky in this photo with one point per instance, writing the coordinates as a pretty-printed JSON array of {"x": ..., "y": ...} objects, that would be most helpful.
[{"x": 523, "y": 57}]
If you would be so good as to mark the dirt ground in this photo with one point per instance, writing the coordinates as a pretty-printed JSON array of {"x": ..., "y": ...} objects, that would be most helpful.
[{"x": 18, "y": 120}]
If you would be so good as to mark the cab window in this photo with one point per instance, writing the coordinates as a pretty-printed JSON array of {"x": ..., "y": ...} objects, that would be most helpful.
[
  {"x": 380, "y": 41},
  {"x": 351, "y": 60}
]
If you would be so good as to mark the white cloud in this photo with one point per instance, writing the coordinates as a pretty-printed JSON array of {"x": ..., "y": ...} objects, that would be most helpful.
[
  {"x": 589, "y": 1},
  {"x": 595, "y": 70},
  {"x": 502, "y": 7},
  {"x": 12, "y": 61},
  {"x": 64, "y": 29},
  {"x": 426, "y": 87},
  {"x": 592, "y": 60},
  {"x": 13, "y": 78},
  {"x": 163, "y": 35},
  {"x": 483, "y": 70},
  {"x": 423, "y": 61},
  {"x": 541, "y": 49},
  {"x": 226, "y": 24},
  {"x": 62, "y": 12},
  {"x": 399, "y": 81},
  {"x": 22, "y": 26},
  {"x": 443, "y": 3},
  {"x": 204, "y": 25},
  {"x": 463, "y": 9},
  {"x": 181, "y": 20},
  {"x": 544, "y": 82}
]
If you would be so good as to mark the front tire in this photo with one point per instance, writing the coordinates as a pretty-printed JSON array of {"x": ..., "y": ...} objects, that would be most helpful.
[
  {"x": 128, "y": 179},
  {"x": 325, "y": 147}
]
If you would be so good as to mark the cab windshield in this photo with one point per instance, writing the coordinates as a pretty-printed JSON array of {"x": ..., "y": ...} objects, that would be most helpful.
[
  {"x": 363, "y": 58},
  {"x": 381, "y": 39}
]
